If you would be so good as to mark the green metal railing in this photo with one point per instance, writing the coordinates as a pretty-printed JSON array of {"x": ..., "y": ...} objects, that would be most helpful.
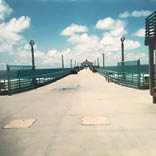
[
  {"x": 22, "y": 78},
  {"x": 127, "y": 73}
]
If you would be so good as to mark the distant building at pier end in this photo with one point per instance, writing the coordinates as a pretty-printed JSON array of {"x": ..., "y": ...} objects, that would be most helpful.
[{"x": 86, "y": 63}]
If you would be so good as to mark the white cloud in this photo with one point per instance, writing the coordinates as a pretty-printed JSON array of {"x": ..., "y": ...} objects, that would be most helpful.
[
  {"x": 105, "y": 24},
  {"x": 129, "y": 44},
  {"x": 115, "y": 27},
  {"x": 135, "y": 13},
  {"x": 140, "y": 32},
  {"x": 18, "y": 25},
  {"x": 110, "y": 41},
  {"x": 141, "y": 13},
  {"x": 74, "y": 28},
  {"x": 83, "y": 39},
  {"x": 91, "y": 46},
  {"x": 10, "y": 31},
  {"x": 87, "y": 47},
  {"x": 5, "y": 10},
  {"x": 114, "y": 44},
  {"x": 51, "y": 58},
  {"x": 84, "y": 46},
  {"x": 125, "y": 14},
  {"x": 118, "y": 29}
]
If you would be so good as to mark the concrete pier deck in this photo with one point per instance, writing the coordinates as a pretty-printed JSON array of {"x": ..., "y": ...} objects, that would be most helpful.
[{"x": 62, "y": 110}]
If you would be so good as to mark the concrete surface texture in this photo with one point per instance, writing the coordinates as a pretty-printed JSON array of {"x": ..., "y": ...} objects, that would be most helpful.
[{"x": 59, "y": 110}]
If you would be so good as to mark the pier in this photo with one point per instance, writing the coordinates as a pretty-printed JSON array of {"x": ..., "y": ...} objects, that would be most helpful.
[{"x": 78, "y": 115}]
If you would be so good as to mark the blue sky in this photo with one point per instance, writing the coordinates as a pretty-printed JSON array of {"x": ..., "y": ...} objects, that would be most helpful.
[{"x": 78, "y": 29}]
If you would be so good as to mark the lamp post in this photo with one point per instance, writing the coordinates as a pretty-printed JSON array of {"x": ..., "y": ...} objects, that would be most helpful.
[
  {"x": 75, "y": 63},
  {"x": 32, "y": 53},
  {"x": 33, "y": 62},
  {"x": 103, "y": 60},
  {"x": 71, "y": 63},
  {"x": 122, "y": 48},
  {"x": 122, "y": 57},
  {"x": 98, "y": 62}
]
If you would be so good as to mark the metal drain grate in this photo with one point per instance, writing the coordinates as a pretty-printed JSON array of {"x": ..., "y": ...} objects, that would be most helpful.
[
  {"x": 100, "y": 120},
  {"x": 25, "y": 123}
]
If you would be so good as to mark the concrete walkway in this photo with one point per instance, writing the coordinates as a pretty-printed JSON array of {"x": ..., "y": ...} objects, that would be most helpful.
[{"x": 59, "y": 109}]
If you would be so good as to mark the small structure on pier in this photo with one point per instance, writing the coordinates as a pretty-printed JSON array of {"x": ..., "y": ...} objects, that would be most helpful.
[
  {"x": 150, "y": 40},
  {"x": 86, "y": 63}
]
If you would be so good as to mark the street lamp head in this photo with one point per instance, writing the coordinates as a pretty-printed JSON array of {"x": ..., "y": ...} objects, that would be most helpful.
[
  {"x": 122, "y": 39},
  {"x": 31, "y": 42}
]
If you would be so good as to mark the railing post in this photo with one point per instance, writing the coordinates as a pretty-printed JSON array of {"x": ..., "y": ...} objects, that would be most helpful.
[
  {"x": 138, "y": 66},
  {"x": 143, "y": 82},
  {"x": 19, "y": 81},
  {"x": 9, "y": 80},
  {"x": 118, "y": 75}
]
